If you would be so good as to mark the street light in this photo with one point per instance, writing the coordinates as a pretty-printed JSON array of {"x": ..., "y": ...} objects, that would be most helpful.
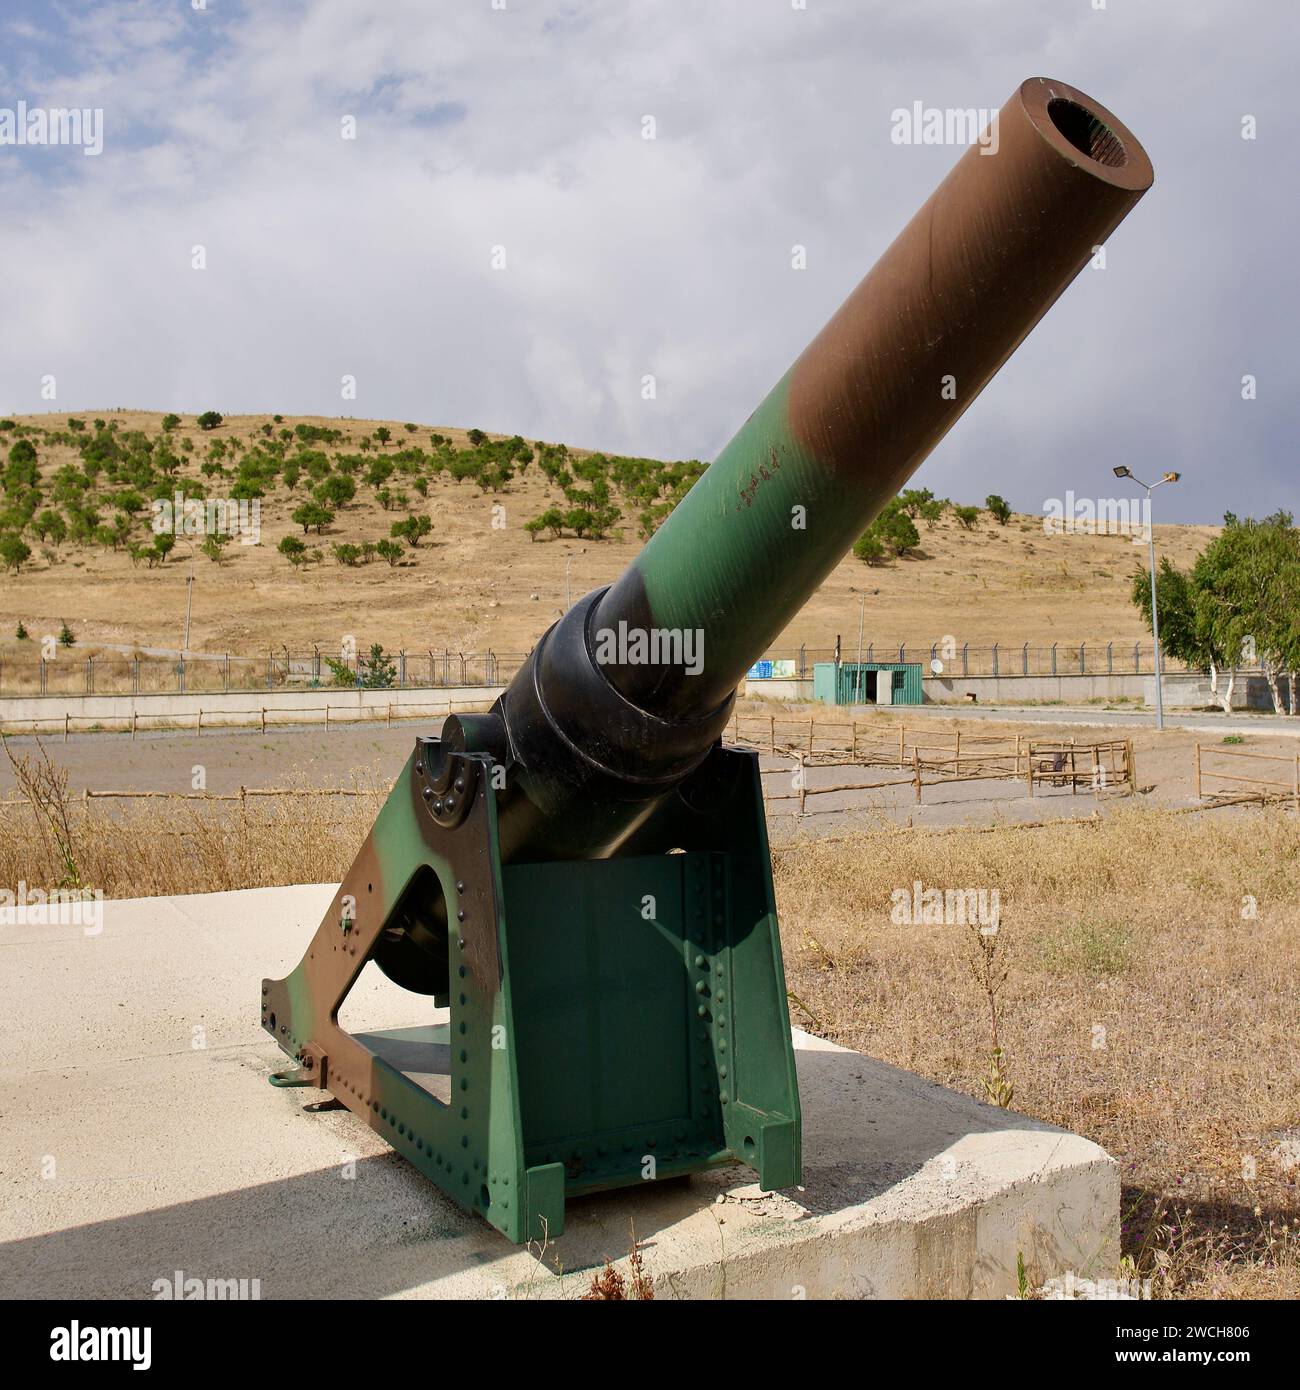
[{"x": 1123, "y": 472}]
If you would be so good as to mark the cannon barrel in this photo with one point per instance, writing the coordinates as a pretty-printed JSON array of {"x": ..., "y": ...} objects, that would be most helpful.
[{"x": 598, "y": 728}]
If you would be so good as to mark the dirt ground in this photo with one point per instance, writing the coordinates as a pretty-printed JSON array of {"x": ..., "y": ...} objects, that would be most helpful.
[{"x": 472, "y": 586}]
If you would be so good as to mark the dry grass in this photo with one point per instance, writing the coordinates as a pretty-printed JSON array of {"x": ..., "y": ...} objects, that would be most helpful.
[
  {"x": 1136, "y": 999},
  {"x": 1140, "y": 1008},
  {"x": 150, "y": 848}
]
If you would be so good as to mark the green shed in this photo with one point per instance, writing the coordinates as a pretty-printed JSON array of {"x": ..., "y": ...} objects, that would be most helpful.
[{"x": 867, "y": 682}]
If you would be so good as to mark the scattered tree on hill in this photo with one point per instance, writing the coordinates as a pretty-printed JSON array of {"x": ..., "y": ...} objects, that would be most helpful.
[
  {"x": 66, "y": 639},
  {"x": 967, "y": 516},
  {"x": 171, "y": 422},
  {"x": 209, "y": 420},
  {"x": 388, "y": 550},
  {"x": 412, "y": 530},
  {"x": 1000, "y": 509},
  {"x": 292, "y": 549},
  {"x": 869, "y": 548},
  {"x": 311, "y": 515},
  {"x": 14, "y": 552}
]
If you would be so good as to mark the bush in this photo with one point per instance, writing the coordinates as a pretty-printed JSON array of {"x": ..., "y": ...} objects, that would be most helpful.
[
  {"x": 14, "y": 552},
  {"x": 171, "y": 422},
  {"x": 209, "y": 420},
  {"x": 20, "y": 632},
  {"x": 412, "y": 530},
  {"x": 868, "y": 548},
  {"x": 999, "y": 508},
  {"x": 66, "y": 639},
  {"x": 309, "y": 515},
  {"x": 335, "y": 491},
  {"x": 292, "y": 549},
  {"x": 966, "y": 515},
  {"x": 388, "y": 550}
]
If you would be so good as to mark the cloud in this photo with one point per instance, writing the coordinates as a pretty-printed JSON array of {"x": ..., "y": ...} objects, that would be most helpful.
[{"x": 522, "y": 128}]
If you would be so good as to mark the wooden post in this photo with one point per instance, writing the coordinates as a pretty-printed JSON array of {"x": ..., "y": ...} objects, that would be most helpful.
[
  {"x": 1198, "y": 772},
  {"x": 198, "y": 722},
  {"x": 1017, "y": 755},
  {"x": 1074, "y": 781},
  {"x": 1295, "y": 784},
  {"x": 389, "y": 721},
  {"x": 803, "y": 785},
  {"x": 771, "y": 733},
  {"x": 854, "y": 726},
  {"x": 956, "y": 755},
  {"x": 810, "y": 737},
  {"x": 916, "y": 772},
  {"x": 1029, "y": 769},
  {"x": 902, "y": 733},
  {"x": 327, "y": 716},
  {"x": 1132, "y": 767},
  {"x": 133, "y": 718},
  {"x": 66, "y": 718},
  {"x": 263, "y": 718}
]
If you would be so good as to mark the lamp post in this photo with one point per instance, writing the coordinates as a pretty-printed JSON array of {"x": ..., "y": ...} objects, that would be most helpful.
[{"x": 1122, "y": 472}]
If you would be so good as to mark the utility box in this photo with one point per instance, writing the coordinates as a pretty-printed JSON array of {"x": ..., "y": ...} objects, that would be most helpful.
[{"x": 868, "y": 683}]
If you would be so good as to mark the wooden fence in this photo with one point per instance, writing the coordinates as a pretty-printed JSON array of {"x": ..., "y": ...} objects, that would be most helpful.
[
  {"x": 1107, "y": 766},
  {"x": 1245, "y": 786}
]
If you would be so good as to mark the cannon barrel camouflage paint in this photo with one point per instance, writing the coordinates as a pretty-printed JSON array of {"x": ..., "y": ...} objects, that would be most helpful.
[{"x": 581, "y": 876}]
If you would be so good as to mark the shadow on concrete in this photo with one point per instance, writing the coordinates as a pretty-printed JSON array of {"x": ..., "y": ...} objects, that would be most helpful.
[{"x": 868, "y": 1127}]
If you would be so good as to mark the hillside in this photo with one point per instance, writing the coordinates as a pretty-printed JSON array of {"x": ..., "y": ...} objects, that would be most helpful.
[{"x": 480, "y": 580}]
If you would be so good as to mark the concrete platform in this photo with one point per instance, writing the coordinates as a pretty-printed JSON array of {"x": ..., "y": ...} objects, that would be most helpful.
[{"x": 140, "y": 1138}]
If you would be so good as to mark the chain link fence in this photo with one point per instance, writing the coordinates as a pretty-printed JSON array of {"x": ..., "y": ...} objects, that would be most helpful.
[
  {"x": 69, "y": 673},
  {"x": 1009, "y": 659}
]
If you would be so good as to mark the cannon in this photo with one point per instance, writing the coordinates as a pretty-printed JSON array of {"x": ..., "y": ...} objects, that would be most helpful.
[{"x": 580, "y": 878}]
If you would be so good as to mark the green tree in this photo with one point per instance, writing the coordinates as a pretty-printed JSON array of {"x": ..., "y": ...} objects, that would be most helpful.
[
  {"x": 336, "y": 491},
  {"x": 383, "y": 434},
  {"x": 292, "y": 549},
  {"x": 50, "y": 524},
  {"x": 412, "y": 530},
  {"x": 388, "y": 550},
  {"x": 932, "y": 511},
  {"x": 311, "y": 515},
  {"x": 66, "y": 639},
  {"x": 14, "y": 552},
  {"x": 209, "y": 420},
  {"x": 171, "y": 422},
  {"x": 1000, "y": 509},
  {"x": 869, "y": 548},
  {"x": 967, "y": 516}
]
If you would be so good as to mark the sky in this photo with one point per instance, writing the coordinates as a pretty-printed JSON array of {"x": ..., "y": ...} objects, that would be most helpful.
[{"x": 500, "y": 246}]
